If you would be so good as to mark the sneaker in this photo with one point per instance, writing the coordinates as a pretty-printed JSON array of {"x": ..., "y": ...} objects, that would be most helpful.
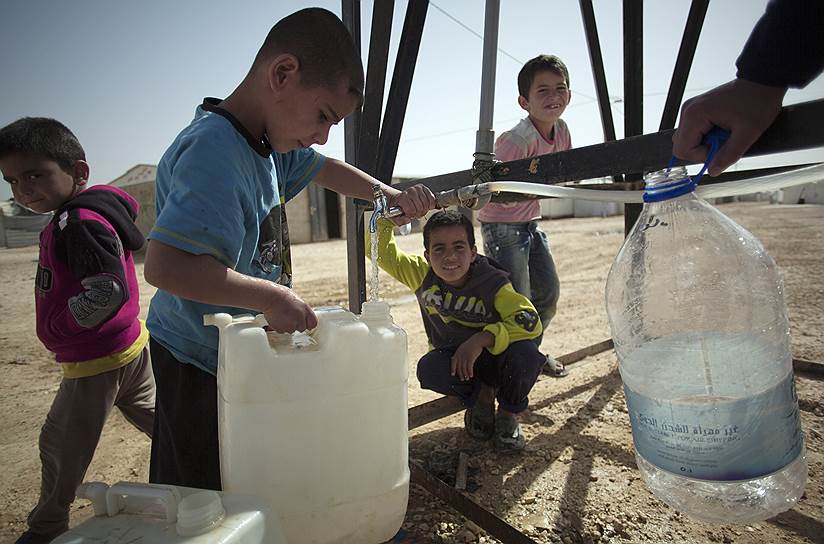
[
  {"x": 508, "y": 436},
  {"x": 479, "y": 421},
  {"x": 555, "y": 368}
]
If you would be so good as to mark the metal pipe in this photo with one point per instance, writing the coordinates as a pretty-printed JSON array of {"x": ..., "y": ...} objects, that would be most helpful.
[
  {"x": 485, "y": 137},
  {"x": 474, "y": 196}
]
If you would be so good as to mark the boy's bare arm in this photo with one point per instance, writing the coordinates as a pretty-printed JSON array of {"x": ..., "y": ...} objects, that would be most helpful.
[
  {"x": 203, "y": 278},
  {"x": 346, "y": 179}
]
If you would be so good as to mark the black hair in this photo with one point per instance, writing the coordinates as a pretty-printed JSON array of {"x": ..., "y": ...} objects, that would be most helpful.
[
  {"x": 42, "y": 137},
  {"x": 540, "y": 63},
  {"x": 448, "y": 218},
  {"x": 323, "y": 46}
]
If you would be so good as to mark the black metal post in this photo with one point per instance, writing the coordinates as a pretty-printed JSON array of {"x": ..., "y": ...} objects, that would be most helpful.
[
  {"x": 375, "y": 85},
  {"x": 356, "y": 268},
  {"x": 633, "y": 89},
  {"x": 692, "y": 31},
  {"x": 351, "y": 125},
  {"x": 398, "y": 99},
  {"x": 598, "y": 73}
]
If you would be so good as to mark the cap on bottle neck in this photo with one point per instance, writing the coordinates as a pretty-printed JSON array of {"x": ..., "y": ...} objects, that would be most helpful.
[
  {"x": 667, "y": 184},
  {"x": 375, "y": 311}
]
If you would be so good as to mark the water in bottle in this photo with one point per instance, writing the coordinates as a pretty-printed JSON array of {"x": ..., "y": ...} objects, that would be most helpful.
[{"x": 697, "y": 313}]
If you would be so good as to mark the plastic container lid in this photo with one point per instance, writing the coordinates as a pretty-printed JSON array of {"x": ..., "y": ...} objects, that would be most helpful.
[{"x": 199, "y": 513}]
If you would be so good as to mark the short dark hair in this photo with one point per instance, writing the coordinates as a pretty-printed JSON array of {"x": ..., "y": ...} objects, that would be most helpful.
[
  {"x": 540, "y": 63},
  {"x": 448, "y": 218},
  {"x": 42, "y": 137},
  {"x": 323, "y": 46}
]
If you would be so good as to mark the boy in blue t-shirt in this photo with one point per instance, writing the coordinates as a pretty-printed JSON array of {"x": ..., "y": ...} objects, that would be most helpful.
[{"x": 221, "y": 243}]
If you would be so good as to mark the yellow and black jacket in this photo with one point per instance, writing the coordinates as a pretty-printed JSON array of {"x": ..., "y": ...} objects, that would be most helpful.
[{"x": 487, "y": 301}]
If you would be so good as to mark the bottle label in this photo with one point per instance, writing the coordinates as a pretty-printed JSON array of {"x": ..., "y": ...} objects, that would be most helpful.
[{"x": 715, "y": 438}]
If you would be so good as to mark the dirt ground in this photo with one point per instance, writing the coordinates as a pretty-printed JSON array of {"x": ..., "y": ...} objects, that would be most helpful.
[{"x": 577, "y": 480}]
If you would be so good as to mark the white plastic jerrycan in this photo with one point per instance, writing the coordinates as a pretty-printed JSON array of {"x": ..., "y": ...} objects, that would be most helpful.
[
  {"x": 165, "y": 514},
  {"x": 317, "y": 423}
]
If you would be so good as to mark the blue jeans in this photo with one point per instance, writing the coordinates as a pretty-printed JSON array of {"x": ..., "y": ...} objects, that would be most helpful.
[{"x": 523, "y": 250}]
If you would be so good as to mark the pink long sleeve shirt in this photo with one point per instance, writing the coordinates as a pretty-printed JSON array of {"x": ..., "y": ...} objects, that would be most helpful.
[{"x": 521, "y": 142}]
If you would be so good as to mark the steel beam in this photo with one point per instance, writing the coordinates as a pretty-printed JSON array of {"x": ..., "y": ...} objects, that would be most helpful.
[
  {"x": 405, "y": 62},
  {"x": 598, "y": 73},
  {"x": 692, "y": 31},
  {"x": 810, "y": 367},
  {"x": 350, "y": 10},
  {"x": 356, "y": 267},
  {"x": 483, "y": 518},
  {"x": 633, "y": 90},
  {"x": 797, "y": 127},
  {"x": 375, "y": 85}
]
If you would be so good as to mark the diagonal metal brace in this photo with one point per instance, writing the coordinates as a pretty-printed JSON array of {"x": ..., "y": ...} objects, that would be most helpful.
[{"x": 471, "y": 510}]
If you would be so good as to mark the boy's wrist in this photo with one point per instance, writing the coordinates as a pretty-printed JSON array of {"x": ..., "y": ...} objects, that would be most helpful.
[
  {"x": 271, "y": 296},
  {"x": 484, "y": 339}
]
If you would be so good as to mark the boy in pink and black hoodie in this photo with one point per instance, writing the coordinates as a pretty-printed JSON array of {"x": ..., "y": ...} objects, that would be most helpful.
[{"x": 87, "y": 305}]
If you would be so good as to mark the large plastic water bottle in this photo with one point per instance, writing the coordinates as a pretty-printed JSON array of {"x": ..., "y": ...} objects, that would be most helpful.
[{"x": 697, "y": 312}]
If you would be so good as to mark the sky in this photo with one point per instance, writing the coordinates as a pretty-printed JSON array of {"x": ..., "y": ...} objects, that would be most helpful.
[{"x": 126, "y": 76}]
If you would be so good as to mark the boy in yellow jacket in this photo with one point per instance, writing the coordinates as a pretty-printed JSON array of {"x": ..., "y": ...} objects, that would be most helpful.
[{"x": 480, "y": 329}]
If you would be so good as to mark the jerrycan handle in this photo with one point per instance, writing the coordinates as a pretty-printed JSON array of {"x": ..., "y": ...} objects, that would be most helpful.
[
  {"x": 167, "y": 495},
  {"x": 280, "y": 338},
  {"x": 221, "y": 320},
  {"x": 260, "y": 321},
  {"x": 96, "y": 493}
]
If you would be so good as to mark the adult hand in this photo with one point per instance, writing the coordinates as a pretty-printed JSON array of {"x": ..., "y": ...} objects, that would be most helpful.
[
  {"x": 742, "y": 107},
  {"x": 285, "y": 311},
  {"x": 414, "y": 201}
]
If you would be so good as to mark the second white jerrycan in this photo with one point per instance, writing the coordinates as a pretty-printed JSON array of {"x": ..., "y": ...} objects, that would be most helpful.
[
  {"x": 140, "y": 513},
  {"x": 317, "y": 423}
]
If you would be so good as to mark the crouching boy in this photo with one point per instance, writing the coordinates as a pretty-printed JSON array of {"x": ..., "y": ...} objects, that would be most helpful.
[{"x": 479, "y": 328}]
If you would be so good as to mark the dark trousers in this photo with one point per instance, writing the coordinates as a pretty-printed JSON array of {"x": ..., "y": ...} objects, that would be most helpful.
[
  {"x": 185, "y": 439},
  {"x": 72, "y": 430},
  {"x": 512, "y": 373}
]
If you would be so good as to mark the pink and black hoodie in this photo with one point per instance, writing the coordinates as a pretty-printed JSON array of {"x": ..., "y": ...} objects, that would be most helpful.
[{"x": 86, "y": 289}]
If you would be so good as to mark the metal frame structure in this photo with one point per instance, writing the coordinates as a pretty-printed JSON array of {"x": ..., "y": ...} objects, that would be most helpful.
[{"x": 371, "y": 143}]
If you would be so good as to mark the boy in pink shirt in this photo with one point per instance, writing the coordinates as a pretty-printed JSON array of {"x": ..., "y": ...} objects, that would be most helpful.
[
  {"x": 86, "y": 303},
  {"x": 510, "y": 230}
]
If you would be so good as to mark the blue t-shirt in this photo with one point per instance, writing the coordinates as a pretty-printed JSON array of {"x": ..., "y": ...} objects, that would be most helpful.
[{"x": 220, "y": 192}]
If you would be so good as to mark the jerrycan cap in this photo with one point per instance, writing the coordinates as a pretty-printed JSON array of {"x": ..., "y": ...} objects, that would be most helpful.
[
  {"x": 375, "y": 311},
  {"x": 199, "y": 513}
]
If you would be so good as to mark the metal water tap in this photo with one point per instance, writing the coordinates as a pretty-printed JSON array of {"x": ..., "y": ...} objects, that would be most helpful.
[
  {"x": 381, "y": 205},
  {"x": 471, "y": 196}
]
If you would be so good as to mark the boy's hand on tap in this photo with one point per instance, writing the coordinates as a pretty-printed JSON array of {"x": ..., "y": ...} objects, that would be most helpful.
[{"x": 414, "y": 201}]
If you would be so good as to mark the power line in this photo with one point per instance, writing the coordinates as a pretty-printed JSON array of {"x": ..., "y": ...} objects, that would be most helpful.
[
  {"x": 467, "y": 129},
  {"x": 460, "y": 23},
  {"x": 613, "y": 99},
  {"x": 480, "y": 36}
]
